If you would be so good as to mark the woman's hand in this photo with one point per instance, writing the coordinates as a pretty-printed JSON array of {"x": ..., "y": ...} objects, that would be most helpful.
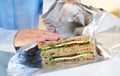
[{"x": 29, "y": 36}]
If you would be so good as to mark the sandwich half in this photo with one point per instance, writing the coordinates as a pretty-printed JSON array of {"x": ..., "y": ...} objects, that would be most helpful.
[{"x": 77, "y": 49}]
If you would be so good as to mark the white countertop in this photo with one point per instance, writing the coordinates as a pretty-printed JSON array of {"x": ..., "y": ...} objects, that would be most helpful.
[{"x": 109, "y": 67}]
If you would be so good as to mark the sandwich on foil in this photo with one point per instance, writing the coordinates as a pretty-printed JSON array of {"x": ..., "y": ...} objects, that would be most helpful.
[{"x": 77, "y": 49}]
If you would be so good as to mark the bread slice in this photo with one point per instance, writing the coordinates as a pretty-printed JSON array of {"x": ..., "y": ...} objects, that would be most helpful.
[
  {"x": 83, "y": 39},
  {"x": 81, "y": 58},
  {"x": 68, "y": 52}
]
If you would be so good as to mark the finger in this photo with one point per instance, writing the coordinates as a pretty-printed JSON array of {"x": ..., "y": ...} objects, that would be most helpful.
[
  {"x": 46, "y": 21},
  {"x": 51, "y": 34},
  {"x": 50, "y": 38},
  {"x": 40, "y": 40},
  {"x": 38, "y": 33},
  {"x": 50, "y": 42},
  {"x": 45, "y": 36}
]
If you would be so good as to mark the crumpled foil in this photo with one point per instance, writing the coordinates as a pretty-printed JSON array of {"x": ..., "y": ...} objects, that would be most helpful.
[
  {"x": 106, "y": 29},
  {"x": 67, "y": 17}
]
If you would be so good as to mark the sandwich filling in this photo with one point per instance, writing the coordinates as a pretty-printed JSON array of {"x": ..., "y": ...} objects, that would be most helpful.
[
  {"x": 64, "y": 45},
  {"x": 75, "y": 57},
  {"x": 81, "y": 58}
]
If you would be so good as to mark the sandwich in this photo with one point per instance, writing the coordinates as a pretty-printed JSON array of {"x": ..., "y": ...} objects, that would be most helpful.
[{"x": 77, "y": 49}]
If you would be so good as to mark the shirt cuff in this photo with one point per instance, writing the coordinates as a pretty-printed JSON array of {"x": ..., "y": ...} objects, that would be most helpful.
[{"x": 7, "y": 40}]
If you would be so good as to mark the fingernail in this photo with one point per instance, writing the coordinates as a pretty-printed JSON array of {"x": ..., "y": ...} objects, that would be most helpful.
[{"x": 56, "y": 38}]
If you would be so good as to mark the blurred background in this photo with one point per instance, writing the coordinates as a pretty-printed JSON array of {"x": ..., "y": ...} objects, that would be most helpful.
[{"x": 112, "y": 6}]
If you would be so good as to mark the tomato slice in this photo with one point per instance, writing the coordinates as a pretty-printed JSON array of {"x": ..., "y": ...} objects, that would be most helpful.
[{"x": 70, "y": 45}]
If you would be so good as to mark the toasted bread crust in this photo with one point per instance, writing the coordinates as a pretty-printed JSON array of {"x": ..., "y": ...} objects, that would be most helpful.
[{"x": 77, "y": 38}]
